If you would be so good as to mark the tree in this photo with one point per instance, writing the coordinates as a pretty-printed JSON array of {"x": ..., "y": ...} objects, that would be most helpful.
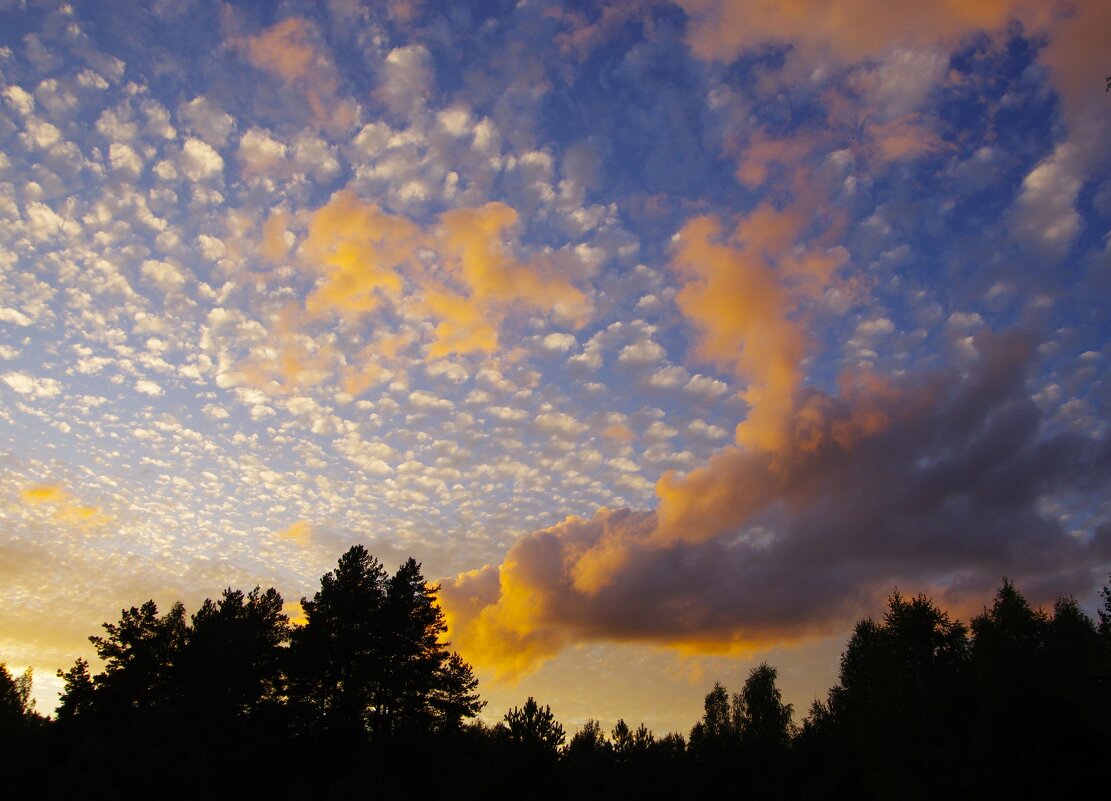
[
  {"x": 16, "y": 702},
  {"x": 534, "y": 727},
  {"x": 78, "y": 693},
  {"x": 423, "y": 683},
  {"x": 231, "y": 664},
  {"x": 587, "y": 760},
  {"x": 902, "y": 697},
  {"x": 21, "y": 743},
  {"x": 337, "y": 655},
  {"x": 140, "y": 654},
  {"x": 715, "y": 731},
  {"x": 587, "y": 743},
  {"x": 454, "y": 696},
  {"x": 761, "y": 718},
  {"x": 370, "y": 658}
]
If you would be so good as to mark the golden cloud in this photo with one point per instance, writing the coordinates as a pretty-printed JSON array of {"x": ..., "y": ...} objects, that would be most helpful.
[
  {"x": 743, "y": 292},
  {"x": 299, "y": 533},
  {"x": 458, "y": 273},
  {"x": 931, "y": 484},
  {"x": 64, "y": 506}
]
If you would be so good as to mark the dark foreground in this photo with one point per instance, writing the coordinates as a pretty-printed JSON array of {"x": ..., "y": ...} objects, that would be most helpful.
[{"x": 366, "y": 701}]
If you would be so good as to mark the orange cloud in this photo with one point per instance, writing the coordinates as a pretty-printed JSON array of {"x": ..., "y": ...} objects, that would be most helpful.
[
  {"x": 64, "y": 506},
  {"x": 931, "y": 483},
  {"x": 291, "y": 50},
  {"x": 849, "y": 30},
  {"x": 742, "y": 293},
  {"x": 359, "y": 252},
  {"x": 275, "y": 247},
  {"x": 299, "y": 533},
  {"x": 44, "y": 493},
  {"x": 458, "y": 273},
  {"x": 472, "y": 245}
]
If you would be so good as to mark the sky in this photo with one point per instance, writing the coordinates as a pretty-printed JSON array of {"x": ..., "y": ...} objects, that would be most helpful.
[{"x": 669, "y": 337}]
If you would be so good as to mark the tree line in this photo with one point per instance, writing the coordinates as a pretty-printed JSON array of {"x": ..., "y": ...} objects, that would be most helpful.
[{"x": 365, "y": 699}]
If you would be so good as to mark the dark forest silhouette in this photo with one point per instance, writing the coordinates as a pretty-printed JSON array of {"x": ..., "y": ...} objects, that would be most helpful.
[{"x": 365, "y": 700}]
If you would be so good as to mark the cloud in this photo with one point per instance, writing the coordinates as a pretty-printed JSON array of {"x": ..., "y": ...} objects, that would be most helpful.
[
  {"x": 209, "y": 122},
  {"x": 896, "y": 56},
  {"x": 742, "y": 293},
  {"x": 849, "y": 30},
  {"x": 292, "y": 50},
  {"x": 359, "y": 252},
  {"x": 199, "y": 161},
  {"x": 558, "y": 342},
  {"x": 32, "y": 386},
  {"x": 406, "y": 80},
  {"x": 458, "y": 273},
  {"x": 937, "y": 485},
  {"x": 299, "y": 533},
  {"x": 491, "y": 283},
  {"x": 261, "y": 154},
  {"x": 63, "y": 506}
]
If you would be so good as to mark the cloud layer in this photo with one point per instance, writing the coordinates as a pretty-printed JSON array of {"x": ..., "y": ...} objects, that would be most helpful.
[{"x": 756, "y": 548}]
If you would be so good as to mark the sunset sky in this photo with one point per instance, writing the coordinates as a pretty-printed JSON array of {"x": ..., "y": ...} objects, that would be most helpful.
[{"x": 669, "y": 337}]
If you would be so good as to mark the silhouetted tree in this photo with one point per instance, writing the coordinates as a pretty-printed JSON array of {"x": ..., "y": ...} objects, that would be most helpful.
[
  {"x": 762, "y": 719},
  {"x": 370, "y": 657},
  {"x": 454, "y": 696},
  {"x": 16, "y": 702},
  {"x": 587, "y": 761},
  {"x": 534, "y": 727},
  {"x": 714, "y": 738},
  {"x": 1037, "y": 673},
  {"x": 764, "y": 730},
  {"x": 901, "y": 700},
  {"x": 337, "y": 656},
  {"x": 77, "y": 696},
  {"x": 140, "y": 654},
  {"x": 231, "y": 663},
  {"x": 21, "y": 742}
]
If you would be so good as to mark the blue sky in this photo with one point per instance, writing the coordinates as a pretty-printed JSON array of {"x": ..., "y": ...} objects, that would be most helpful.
[{"x": 669, "y": 337}]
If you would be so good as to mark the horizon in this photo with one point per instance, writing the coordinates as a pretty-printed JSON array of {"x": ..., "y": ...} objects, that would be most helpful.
[{"x": 670, "y": 338}]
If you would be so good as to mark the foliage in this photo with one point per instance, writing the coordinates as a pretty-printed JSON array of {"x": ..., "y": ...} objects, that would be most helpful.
[
  {"x": 370, "y": 656},
  {"x": 370, "y": 698},
  {"x": 534, "y": 727}
]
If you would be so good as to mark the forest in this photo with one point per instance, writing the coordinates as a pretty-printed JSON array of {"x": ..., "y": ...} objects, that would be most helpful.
[{"x": 366, "y": 700}]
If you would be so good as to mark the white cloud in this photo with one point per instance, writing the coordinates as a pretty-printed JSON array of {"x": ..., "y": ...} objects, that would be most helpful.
[
  {"x": 314, "y": 156},
  {"x": 260, "y": 153},
  {"x": 406, "y": 78},
  {"x": 43, "y": 223},
  {"x": 214, "y": 411},
  {"x": 644, "y": 352},
  {"x": 426, "y": 400},
  {"x": 558, "y": 423},
  {"x": 20, "y": 100},
  {"x": 709, "y": 388},
  {"x": 33, "y": 386},
  {"x": 124, "y": 159},
  {"x": 206, "y": 120},
  {"x": 1046, "y": 212},
  {"x": 199, "y": 161},
  {"x": 14, "y": 316},
  {"x": 41, "y": 134},
  {"x": 167, "y": 277},
  {"x": 558, "y": 342},
  {"x": 148, "y": 387}
]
